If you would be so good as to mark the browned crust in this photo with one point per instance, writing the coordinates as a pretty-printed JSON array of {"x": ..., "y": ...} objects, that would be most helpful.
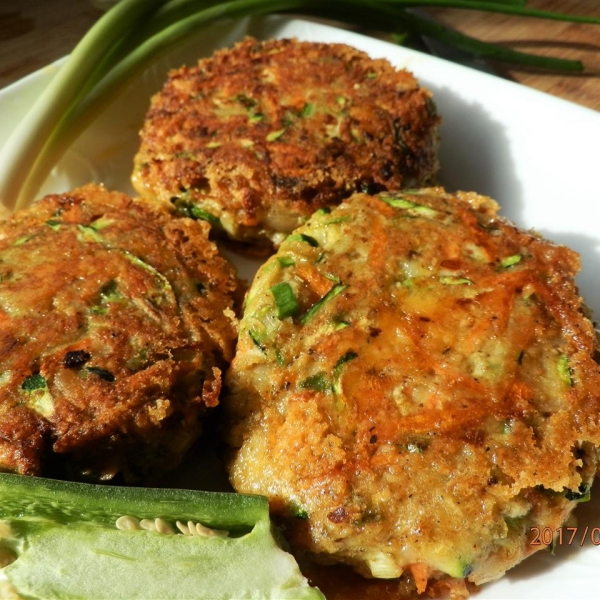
[
  {"x": 453, "y": 423},
  {"x": 264, "y": 133},
  {"x": 120, "y": 308}
]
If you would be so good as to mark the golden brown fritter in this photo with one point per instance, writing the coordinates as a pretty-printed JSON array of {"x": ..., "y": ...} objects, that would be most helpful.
[
  {"x": 116, "y": 325},
  {"x": 260, "y": 135},
  {"x": 415, "y": 387}
]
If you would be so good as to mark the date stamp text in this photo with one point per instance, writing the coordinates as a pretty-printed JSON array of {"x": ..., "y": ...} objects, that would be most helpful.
[{"x": 564, "y": 536}]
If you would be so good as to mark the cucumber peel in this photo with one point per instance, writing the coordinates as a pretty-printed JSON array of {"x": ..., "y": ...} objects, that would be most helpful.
[{"x": 67, "y": 545}]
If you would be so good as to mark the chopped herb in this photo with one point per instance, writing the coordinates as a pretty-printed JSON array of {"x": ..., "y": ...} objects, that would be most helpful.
[
  {"x": 308, "y": 110},
  {"x": 187, "y": 155},
  {"x": 246, "y": 101},
  {"x": 288, "y": 119},
  {"x": 323, "y": 211},
  {"x": 199, "y": 213},
  {"x": 411, "y": 207},
  {"x": 37, "y": 395},
  {"x": 102, "y": 373},
  {"x": 280, "y": 358},
  {"x": 330, "y": 295},
  {"x": 564, "y": 370},
  {"x": 22, "y": 240},
  {"x": 332, "y": 277},
  {"x": 583, "y": 494},
  {"x": 285, "y": 300},
  {"x": 339, "y": 220},
  {"x": 318, "y": 383},
  {"x": 213, "y": 144},
  {"x": 101, "y": 223},
  {"x": 286, "y": 261},
  {"x": 89, "y": 233},
  {"x": 54, "y": 224},
  {"x": 340, "y": 324},
  {"x": 142, "y": 264},
  {"x": 356, "y": 135},
  {"x": 275, "y": 135},
  {"x": 509, "y": 261},
  {"x": 302, "y": 237},
  {"x": 513, "y": 522},
  {"x": 34, "y": 382},
  {"x": 371, "y": 75},
  {"x": 298, "y": 512},
  {"x": 138, "y": 360},
  {"x": 109, "y": 292},
  {"x": 257, "y": 342},
  {"x": 256, "y": 118},
  {"x": 337, "y": 369},
  {"x": 348, "y": 356}
]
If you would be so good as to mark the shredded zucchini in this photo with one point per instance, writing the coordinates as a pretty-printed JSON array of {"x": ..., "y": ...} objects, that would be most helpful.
[{"x": 330, "y": 295}]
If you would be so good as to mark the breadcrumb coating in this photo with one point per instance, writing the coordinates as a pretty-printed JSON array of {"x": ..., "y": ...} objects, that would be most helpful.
[
  {"x": 415, "y": 387},
  {"x": 260, "y": 135},
  {"x": 117, "y": 324}
]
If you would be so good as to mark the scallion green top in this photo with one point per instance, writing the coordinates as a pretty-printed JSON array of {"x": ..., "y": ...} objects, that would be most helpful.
[{"x": 133, "y": 32}]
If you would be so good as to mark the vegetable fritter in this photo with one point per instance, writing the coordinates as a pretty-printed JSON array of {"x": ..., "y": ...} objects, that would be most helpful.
[
  {"x": 415, "y": 387},
  {"x": 259, "y": 136},
  {"x": 117, "y": 324}
]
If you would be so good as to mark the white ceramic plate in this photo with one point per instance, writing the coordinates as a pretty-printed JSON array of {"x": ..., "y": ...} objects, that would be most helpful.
[{"x": 538, "y": 156}]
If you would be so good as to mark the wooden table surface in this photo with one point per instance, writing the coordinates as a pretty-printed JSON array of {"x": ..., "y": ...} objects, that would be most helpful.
[{"x": 36, "y": 32}]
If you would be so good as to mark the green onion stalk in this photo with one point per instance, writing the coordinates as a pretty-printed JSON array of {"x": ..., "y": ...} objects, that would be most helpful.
[{"x": 133, "y": 33}]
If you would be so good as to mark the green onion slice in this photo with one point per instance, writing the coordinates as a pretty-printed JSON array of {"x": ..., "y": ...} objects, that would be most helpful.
[
  {"x": 339, "y": 367},
  {"x": 317, "y": 383},
  {"x": 413, "y": 208},
  {"x": 133, "y": 32},
  {"x": 285, "y": 300},
  {"x": 302, "y": 237},
  {"x": 509, "y": 261},
  {"x": 564, "y": 370}
]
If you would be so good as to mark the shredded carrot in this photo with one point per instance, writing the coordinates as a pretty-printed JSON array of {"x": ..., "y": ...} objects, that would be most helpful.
[
  {"x": 420, "y": 573},
  {"x": 317, "y": 282}
]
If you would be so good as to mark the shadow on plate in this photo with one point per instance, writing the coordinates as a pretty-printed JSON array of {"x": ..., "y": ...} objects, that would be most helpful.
[{"x": 475, "y": 153}]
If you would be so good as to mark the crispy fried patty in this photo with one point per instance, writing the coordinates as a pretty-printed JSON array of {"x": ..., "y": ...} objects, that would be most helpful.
[
  {"x": 116, "y": 325},
  {"x": 260, "y": 135},
  {"x": 415, "y": 387}
]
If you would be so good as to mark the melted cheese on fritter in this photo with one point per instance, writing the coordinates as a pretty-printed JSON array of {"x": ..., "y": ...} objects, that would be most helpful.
[{"x": 414, "y": 387}]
